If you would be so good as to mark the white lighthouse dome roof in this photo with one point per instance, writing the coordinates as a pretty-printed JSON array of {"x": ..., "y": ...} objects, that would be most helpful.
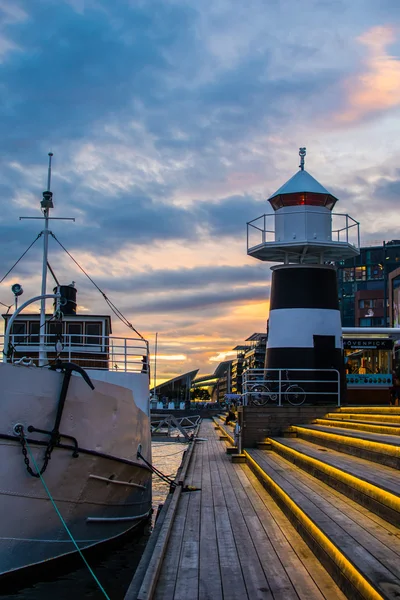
[{"x": 301, "y": 182}]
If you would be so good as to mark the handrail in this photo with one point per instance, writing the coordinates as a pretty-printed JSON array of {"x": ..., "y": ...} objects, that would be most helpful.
[
  {"x": 101, "y": 352},
  {"x": 259, "y": 224},
  {"x": 316, "y": 386}
]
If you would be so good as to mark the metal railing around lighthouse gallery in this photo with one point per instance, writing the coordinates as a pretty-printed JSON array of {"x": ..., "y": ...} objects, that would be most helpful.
[
  {"x": 261, "y": 230},
  {"x": 290, "y": 386}
]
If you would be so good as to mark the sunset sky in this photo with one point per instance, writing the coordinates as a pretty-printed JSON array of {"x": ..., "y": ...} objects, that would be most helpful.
[{"x": 171, "y": 122}]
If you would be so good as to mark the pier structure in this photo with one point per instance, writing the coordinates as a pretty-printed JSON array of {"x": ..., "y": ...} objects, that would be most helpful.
[
  {"x": 305, "y": 236},
  {"x": 310, "y": 513}
]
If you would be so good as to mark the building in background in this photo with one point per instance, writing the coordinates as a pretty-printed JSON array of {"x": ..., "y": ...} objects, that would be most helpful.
[
  {"x": 254, "y": 356},
  {"x": 363, "y": 285},
  {"x": 176, "y": 389},
  {"x": 203, "y": 388},
  {"x": 394, "y": 313},
  {"x": 394, "y": 298},
  {"x": 224, "y": 384},
  {"x": 237, "y": 368}
]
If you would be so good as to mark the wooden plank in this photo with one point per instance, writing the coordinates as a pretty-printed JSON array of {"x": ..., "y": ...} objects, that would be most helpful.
[
  {"x": 304, "y": 570},
  {"x": 151, "y": 577},
  {"x": 165, "y": 589},
  {"x": 374, "y": 519},
  {"x": 380, "y": 542},
  {"x": 364, "y": 435},
  {"x": 380, "y": 475},
  {"x": 210, "y": 584},
  {"x": 354, "y": 546},
  {"x": 256, "y": 582},
  {"x": 390, "y": 428},
  {"x": 187, "y": 582},
  {"x": 233, "y": 584},
  {"x": 395, "y": 419},
  {"x": 135, "y": 585},
  {"x": 352, "y": 442},
  {"x": 276, "y": 576}
]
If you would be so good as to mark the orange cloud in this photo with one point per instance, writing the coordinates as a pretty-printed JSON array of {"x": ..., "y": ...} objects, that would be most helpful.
[
  {"x": 378, "y": 87},
  {"x": 180, "y": 357},
  {"x": 223, "y": 356}
]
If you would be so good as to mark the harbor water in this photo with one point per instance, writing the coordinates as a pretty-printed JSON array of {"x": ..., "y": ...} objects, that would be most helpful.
[{"x": 115, "y": 568}]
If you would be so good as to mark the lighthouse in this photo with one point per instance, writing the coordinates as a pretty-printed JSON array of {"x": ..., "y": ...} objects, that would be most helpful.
[{"x": 305, "y": 237}]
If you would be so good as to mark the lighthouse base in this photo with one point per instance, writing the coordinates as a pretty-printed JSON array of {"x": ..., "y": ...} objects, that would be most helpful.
[{"x": 305, "y": 330}]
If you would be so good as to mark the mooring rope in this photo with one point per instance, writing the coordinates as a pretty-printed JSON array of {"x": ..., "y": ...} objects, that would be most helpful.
[{"x": 64, "y": 523}]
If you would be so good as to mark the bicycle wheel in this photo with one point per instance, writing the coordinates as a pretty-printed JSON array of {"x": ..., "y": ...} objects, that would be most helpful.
[
  {"x": 295, "y": 395},
  {"x": 260, "y": 394}
]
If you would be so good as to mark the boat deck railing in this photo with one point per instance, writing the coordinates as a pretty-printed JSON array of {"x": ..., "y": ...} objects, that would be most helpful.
[{"x": 109, "y": 353}]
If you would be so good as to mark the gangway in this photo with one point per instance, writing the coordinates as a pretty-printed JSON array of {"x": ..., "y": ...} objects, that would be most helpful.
[{"x": 171, "y": 426}]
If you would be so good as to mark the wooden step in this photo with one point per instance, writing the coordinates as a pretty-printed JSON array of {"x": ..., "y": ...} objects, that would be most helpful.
[
  {"x": 376, "y": 487},
  {"x": 226, "y": 430},
  {"x": 381, "y": 418},
  {"x": 376, "y": 427},
  {"x": 381, "y": 410},
  {"x": 380, "y": 448},
  {"x": 355, "y": 547}
]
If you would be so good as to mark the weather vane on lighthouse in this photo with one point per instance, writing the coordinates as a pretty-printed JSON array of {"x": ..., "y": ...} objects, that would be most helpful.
[{"x": 302, "y": 154}]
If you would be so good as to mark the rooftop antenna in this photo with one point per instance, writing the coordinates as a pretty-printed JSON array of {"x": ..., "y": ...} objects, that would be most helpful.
[
  {"x": 302, "y": 154},
  {"x": 47, "y": 201},
  {"x": 46, "y": 204},
  {"x": 49, "y": 172}
]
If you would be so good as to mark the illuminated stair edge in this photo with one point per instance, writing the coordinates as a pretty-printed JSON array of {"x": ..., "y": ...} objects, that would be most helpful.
[{"x": 342, "y": 563}]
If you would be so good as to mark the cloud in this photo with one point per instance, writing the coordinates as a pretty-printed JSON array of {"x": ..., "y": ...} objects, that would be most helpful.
[
  {"x": 202, "y": 301},
  {"x": 377, "y": 87},
  {"x": 171, "y": 122},
  {"x": 188, "y": 279}
]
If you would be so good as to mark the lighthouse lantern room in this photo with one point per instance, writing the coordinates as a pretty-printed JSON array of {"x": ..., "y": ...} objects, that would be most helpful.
[
  {"x": 302, "y": 225},
  {"x": 305, "y": 329}
]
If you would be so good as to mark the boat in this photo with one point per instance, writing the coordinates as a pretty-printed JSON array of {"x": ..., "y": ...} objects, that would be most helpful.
[{"x": 75, "y": 441}]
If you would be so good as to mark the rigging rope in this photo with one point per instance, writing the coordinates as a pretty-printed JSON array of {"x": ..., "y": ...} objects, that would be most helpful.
[
  {"x": 168, "y": 455},
  {"x": 14, "y": 265},
  {"x": 114, "y": 309},
  {"x": 20, "y": 258},
  {"x": 64, "y": 523}
]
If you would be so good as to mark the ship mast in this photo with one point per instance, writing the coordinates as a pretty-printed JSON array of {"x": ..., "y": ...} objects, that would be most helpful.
[{"x": 46, "y": 204}]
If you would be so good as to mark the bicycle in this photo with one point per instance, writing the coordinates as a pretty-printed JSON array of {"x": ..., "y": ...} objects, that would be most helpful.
[{"x": 261, "y": 394}]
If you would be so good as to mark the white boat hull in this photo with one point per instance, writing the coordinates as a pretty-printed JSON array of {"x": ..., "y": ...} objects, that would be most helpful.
[{"x": 100, "y": 494}]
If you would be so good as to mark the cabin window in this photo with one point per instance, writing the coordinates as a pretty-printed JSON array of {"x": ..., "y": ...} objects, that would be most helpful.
[
  {"x": 18, "y": 331},
  {"x": 93, "y": 334},
  {"x": 74, "y": 333},
  {"x": 34, "y": 330},
  {"x": 54, "y": 332}
]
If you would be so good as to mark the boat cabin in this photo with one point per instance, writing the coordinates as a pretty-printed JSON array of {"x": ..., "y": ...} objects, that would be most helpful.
[{"x": 79, "y": 338}]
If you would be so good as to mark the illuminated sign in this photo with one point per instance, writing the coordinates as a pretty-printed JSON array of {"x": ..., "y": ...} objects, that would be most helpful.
[{"x": 379, "y": 343}]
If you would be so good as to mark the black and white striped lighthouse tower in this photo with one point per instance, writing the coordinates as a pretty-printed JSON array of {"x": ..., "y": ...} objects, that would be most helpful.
[{"x": 305, "y": 330}]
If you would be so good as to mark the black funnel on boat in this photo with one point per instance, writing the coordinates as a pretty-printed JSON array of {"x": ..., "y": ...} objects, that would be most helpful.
[{"x": 68, "y": 293}]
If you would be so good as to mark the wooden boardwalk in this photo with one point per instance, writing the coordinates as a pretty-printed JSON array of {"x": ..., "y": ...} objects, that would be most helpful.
[{"x": 231, "y": 540}]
